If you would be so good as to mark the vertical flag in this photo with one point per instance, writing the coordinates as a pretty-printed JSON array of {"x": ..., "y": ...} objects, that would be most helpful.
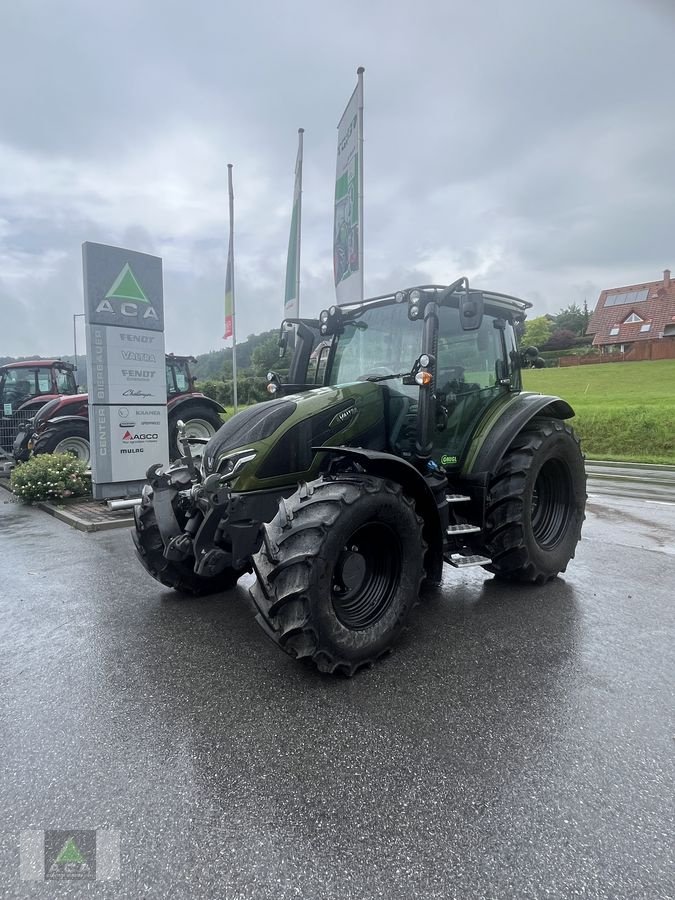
[
  {"x": 230, "y": 331},
  {"x": 348, "y": 222},
  {"x": 292, "y": 294}
]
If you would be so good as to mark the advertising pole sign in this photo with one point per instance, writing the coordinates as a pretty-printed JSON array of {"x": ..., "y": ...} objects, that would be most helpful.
[{"x": 126, "y": 373}]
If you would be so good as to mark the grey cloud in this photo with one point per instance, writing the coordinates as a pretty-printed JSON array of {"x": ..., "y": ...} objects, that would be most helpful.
[{"x": 526, "y": 144}]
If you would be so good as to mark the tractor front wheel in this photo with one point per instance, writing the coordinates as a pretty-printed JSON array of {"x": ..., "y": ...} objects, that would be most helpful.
[
  {"x": 201, "y": 421},
  {"x": 177, "y": 575},
  {"x": 66, "y": 437},
  {"x": 536, "y": 503},
  {"x": 339, "y": 570}
]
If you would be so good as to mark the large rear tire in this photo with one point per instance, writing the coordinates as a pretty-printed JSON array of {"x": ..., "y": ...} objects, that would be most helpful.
[
  {"x": 66, "y": 437},
  {"x": 178, "y": 575},
  {"x": 536, "y": 503},
  {"x": 339, "y": 570},
  {"x": 201, "y": 421}
]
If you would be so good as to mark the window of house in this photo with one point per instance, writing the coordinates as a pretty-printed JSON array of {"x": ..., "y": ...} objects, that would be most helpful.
[
  {"x": 614, "y": 330},
  {"x": 632, "y": 319},
  {"x": 646, "y": 326}
]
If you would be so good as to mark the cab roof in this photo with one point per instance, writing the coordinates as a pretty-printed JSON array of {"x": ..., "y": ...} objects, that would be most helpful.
[{"x": 35, "y": 363}]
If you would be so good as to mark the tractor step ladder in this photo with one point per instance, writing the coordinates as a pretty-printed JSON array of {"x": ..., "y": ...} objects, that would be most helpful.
[
  {"x": 463, "y": 562},
  {"x": 457, "y": 498},
  {"x": 464, "y": 528}
]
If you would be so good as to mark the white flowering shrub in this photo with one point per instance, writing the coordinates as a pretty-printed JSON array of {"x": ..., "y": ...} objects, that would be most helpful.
[{"x": 50, "y": 476}]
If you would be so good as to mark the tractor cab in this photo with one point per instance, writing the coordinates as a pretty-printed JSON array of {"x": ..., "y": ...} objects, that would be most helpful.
[
  {"x": 179, "y": 378},
  {"x": 441, "y": 357},
  {"x": 25, "y": 387}
]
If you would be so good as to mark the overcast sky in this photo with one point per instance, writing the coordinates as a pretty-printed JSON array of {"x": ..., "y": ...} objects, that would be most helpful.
[{"x": 527, "y": 144}]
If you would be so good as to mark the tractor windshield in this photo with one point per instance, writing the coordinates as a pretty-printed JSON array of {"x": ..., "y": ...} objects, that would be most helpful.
[
  {"x": 177, "y": 377},
  {"x": 22, "y": 383},
  {"x": 383, "y": 341}
]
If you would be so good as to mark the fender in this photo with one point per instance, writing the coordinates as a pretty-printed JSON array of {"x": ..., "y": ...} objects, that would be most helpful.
[
  {"x": 58, "y": 419},
  {"x": 495, "y": 435},
  {"x": 384, "y": 465},
  {"x": 191, "y": 398}
]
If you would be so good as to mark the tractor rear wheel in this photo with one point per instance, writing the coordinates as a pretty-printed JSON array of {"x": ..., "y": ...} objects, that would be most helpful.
[
  {"x": 66, "y": 437},
  {"x": 535, "y": 505},
  {"x": 339, "y": 570},
  {"x": 178, "y": 575},
  {"x": 201, "y": 421}
]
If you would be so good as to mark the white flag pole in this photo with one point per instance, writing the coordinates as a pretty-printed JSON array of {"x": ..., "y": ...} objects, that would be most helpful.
[
  {"x": 359, "y": 73},
  {"x": 234, "y": 317},
  {"x": 301, "y": 132}
]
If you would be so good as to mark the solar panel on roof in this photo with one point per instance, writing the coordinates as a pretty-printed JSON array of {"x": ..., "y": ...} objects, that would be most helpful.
[{"x": 627, "y": 297}]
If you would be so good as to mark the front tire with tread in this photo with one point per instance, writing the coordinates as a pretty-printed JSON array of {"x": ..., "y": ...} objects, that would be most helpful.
[
  {"x": 339, "y": 571},
  {"x": 178, "y": 575},
  {"x": 65, "y": 437},
  {"x": 536, "y": 502},
  {"x": 207, "y": 416}
]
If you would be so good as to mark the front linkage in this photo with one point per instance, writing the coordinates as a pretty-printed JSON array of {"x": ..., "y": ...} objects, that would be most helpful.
[{"x": 195, "y": 535}]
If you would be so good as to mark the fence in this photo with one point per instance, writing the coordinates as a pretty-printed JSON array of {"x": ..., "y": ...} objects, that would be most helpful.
[
  {"x": 11, "y": 425},
  {"x": 640, "y": 351}
]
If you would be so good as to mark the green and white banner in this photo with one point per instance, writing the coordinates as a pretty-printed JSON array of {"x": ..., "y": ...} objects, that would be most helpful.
[
  {"x": 292, "y": 293},
  {"x": 348, "y": 224}
]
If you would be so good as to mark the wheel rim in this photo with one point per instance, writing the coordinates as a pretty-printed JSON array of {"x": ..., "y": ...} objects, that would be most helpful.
[
  {"x": 552, "y": 504},
  {"x": 78, "y": 447},
  {"x": 199, "y": 428},
  {"x": 366, "y": 576}
]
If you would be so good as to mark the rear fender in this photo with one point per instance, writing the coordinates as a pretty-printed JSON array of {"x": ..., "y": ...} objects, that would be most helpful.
[
  {"x": 493, "y": 439},
  {"x": 181, "y": 401},
  {"x": 393, "y": 468},
  {"x": 59, "y": 419}
]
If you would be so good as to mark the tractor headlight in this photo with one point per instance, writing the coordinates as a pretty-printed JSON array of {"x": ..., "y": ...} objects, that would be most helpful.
[{"x": 229, "y": 466}]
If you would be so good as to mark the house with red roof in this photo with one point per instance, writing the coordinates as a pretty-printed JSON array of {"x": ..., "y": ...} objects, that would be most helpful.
[{"x": 627, "y": 315}]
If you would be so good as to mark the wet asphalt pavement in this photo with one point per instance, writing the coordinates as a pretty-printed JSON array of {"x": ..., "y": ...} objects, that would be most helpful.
[{"x": 518, "y": 743}]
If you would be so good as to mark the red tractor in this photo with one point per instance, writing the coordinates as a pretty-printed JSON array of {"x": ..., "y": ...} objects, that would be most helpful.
[
  {"x": 25, "y": 387},
  {"x": 62, "y": 426}
]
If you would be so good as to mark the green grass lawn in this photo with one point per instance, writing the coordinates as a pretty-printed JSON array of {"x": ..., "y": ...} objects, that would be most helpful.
[{"x": 624, "y": 411}]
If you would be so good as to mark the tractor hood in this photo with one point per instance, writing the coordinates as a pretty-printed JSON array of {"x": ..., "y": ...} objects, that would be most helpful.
[{"x": 271, "y": 443}]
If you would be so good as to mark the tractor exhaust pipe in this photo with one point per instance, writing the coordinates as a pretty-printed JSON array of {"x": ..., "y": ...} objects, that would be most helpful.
[{"x": 114, "y": 505}]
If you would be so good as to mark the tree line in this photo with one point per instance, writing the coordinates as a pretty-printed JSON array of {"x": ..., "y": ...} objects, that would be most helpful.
[
  {"x": 561, "y": 332},
  {"x": 259, "y": 354}
]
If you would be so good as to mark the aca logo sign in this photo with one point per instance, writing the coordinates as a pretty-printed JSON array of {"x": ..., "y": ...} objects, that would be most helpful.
[{"x": 132, "y": 298}]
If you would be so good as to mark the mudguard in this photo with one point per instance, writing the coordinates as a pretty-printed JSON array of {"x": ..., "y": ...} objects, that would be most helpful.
[
  {"x": 180, "y": 401},
  {"x": 495, "y": 435},
  {"x": 385, "y": 465}
]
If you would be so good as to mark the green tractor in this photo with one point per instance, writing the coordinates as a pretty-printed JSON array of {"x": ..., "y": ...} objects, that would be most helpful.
[{"x": 403, "y": 441}]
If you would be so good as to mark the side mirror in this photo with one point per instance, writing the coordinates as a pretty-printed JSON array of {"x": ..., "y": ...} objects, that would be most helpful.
[
  {"x": 471, "y": 310},
  {"x": 283, "y": 342}
]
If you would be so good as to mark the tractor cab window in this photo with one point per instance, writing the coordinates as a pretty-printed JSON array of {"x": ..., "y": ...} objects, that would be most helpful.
[
  {"x": 383, "y": 341},
  {"x": 44, "y": 381},
  {"x": 177, "y": 381},
  {"x": 470, "y": 375},
  {"x": 17, "y": 385},
  {"x": 316, "y": 370},
  {"x": 65, "y": 382}
]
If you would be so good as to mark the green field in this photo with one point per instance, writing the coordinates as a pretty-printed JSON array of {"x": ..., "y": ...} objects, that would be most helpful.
[{"x": 624, "y": 411}]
